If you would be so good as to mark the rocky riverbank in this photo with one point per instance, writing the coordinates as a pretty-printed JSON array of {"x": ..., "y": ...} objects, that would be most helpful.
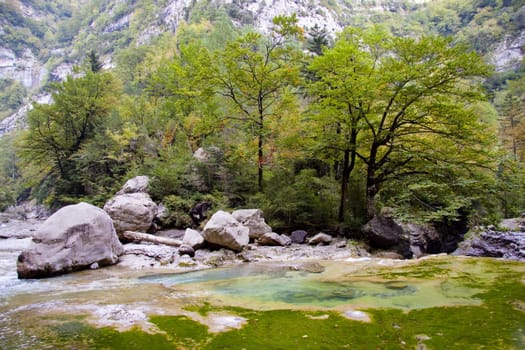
[{"x": 16, "y": 234}]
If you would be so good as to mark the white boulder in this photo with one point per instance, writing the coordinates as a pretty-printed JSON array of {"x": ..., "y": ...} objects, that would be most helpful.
[
  {"x": 137, "y": 184},
  {"x": 224, "y": 230},
  {"x": 254, "y": 220},
  {"x": 131, "y": 212},
  {"x": 76, "y": 237}
]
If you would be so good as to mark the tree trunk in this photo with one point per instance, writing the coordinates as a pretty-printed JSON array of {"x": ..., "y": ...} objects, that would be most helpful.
[
  {"x": 260, "y": 160},
  {"x": 370, "y": 201},
  {"x": 372, "y": 184},
  {"x": 260, "y": 154},
  {"x": 145, "y": 237},
  {"x": 344, "y": 186},
  {"x": 348, "y": 167}
]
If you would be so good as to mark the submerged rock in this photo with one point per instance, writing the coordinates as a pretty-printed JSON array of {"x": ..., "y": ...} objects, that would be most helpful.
[{"x": 74, "y": 238}]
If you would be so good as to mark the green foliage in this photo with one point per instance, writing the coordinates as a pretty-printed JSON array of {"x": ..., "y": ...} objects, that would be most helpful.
[
  {"x": 400, "y": 106},
  {"x": 12, "y": 95},
  {"x": 93, "y": 62},
  {"x": 301, "y": 199},
  {"x": 253, "y": 74},
  {"x": 179, "y": 209},
  {"x": 59, "y": 133},
  {"x": 10, "y": 174},
  {"x": 318, "y": 39}
]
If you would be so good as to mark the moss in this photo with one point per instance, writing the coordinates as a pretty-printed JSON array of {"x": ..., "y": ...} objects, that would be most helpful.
[
  {"x": 498, "y": 322},
  {"x": 182, "y": 331},
  {"x": 201, "y": 310},
  {"x": 79, "y": 335}
]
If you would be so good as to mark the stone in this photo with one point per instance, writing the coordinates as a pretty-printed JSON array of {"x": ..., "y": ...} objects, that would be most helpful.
[
  {"x": 382, "y": 232},
  {"x": 138, "y": 184},
  {"x": 274, "y": 239},
  {"x": 224, "y": 230},
  {"x": 298, "y": 236},
  {"x": 254, "y": 220},
  {"x": 74, "y": 238},
  {"x": 496, "y": 244},
  {"x": 193, "y": 238},
  {"x": 131, "y": 212},
  {"x": 320, "y": 238},
  {"x": 423, "y": 238},
  {"x": 186, "y": 250}
]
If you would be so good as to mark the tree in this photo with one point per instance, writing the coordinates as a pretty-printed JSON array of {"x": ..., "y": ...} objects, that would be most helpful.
[
  {"x": 255, "y": 74},
  {"x": 318, "y": 39},
  {"x": 401, "y": 106},
  {"x": 58, "y": 131},
  {"x": 94, "y": 63},
  {"x": 512, "y": 109}
]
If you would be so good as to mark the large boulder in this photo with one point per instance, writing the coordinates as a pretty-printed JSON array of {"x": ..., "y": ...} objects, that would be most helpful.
[
  {"x": 492, "y": 243},
  {"x": 138, "y": 184},
  {"x": 254, "y": 220},
  {"x": 76, "y": 237},
  {"x": 382, "y": 232},
  {"x": 423, "y": 238},
  {"x": 131, "y": 212},
  {"x": 224, "y": 230}
]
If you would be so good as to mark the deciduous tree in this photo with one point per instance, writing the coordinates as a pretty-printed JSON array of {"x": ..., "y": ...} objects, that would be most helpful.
[
  {"x": 400, "y": 105},
  {"x": 255, "y": 74}
]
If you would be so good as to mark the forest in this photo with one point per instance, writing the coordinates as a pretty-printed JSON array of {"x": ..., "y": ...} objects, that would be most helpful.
[{"x": 317, "y": 132}]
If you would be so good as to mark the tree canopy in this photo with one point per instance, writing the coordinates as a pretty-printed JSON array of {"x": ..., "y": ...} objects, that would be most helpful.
[
  {"x": 320, "y": 140},
  {"x": 402, "y": 106}
]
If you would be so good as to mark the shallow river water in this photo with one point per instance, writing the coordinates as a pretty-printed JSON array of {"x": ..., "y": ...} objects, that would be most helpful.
[{"x": 439, "y": 302}]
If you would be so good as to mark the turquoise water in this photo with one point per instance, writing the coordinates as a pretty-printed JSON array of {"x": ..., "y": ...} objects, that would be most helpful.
[{"x": 268, "y": 286}]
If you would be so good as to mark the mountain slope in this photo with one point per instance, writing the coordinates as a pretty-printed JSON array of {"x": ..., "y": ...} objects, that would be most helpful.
[{"x": 41, "y": 40}]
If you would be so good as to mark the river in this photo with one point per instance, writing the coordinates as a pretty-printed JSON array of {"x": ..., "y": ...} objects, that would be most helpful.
[{"x": 439, "y": 302}]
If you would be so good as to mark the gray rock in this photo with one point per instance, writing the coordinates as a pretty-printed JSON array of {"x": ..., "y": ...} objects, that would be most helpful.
[
  {"x": 382, "y": 232},
  {"x": 193, "y": 238},
  {"x": 320, "y": 238},
  {"x": 185, "y": 249},
  {"x": 223, "y": 230},
  {"x": 254, "y": 220},
  {"x": 131, "y": 212},
  {"x": 298, "y": 236},
  {"x": 138, "y": 184},
  {"x": 424, "y": 239},
  {"x": 508, "y": 245},
  {"x": 74, "y": 238},
  {"x": 274, "y": 239}
]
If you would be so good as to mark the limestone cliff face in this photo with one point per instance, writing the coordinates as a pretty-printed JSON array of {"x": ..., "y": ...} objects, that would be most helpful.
[
  {"x": 24, "y": 68},
  {"x": 509, "y": 53}
]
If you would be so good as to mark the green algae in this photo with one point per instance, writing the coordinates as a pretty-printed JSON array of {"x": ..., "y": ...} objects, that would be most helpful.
[{"x": 488, "y": 313}]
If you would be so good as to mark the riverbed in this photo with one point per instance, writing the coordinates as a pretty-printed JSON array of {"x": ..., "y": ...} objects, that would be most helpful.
[{"x": 438, "y": 302}]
